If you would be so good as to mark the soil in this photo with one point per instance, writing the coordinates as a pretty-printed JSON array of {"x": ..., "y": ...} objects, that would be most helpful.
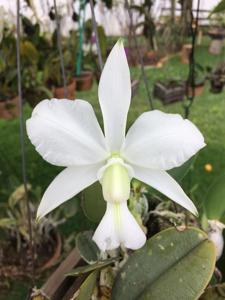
[
  {"x": 9, "y": 109},
  {"x": 15, "y": 263},
  {"x": 172, "y": 84}
]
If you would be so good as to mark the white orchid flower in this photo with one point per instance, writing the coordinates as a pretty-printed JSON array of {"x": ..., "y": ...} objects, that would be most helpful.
[{"x": 66, "y": 133}]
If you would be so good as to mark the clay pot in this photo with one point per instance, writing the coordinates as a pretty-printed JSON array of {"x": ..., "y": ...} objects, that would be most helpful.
[
  {"x": 185, "y": 53},
  {"x": 198, "y": 89},
  {"x": 217, "y": 35},
  {"x": 84, "y": 81},
  {"x": 151, "y": 58},
  {"x": 59, "y": 91},
  {"x": 9, "y": 109},
  {"x": 131, "y": 54}
]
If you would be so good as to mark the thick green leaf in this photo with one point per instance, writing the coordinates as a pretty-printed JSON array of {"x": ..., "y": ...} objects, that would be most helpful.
[
  {"x": 87, "y": 287},
  {"x": 215, "y": 200},
  {"x": 90, "y": 268},
  {"x": 180, "y": 172},
  {"x": 172, "y": 265},
  {"x": 71, "y": 207},
  {"x": 216, "y": 292},
  {"x": 87, "y": 248},
  {"x": 93, "y": 203}
]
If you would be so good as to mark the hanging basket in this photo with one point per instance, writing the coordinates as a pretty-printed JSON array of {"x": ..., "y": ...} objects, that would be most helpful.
[{"x": 170, "y": 92}]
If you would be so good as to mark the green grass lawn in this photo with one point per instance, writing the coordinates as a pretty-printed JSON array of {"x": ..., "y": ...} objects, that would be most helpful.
[{"x": 207, "y": 112}]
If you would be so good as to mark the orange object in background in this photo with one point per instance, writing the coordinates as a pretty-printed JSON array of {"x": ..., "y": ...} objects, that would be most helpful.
[{"x": 208, "y": 167}]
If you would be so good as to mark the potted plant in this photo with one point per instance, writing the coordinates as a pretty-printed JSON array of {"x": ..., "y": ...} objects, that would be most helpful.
[
  {"x": 84, "y": 80},
  {"x": 9, "y": 106},
  {"x": 217, "y": 78},
  {"x": 83, "y": 77},
  {"x": 53, "y": 75},
  {"x": 217, "y": 35},
  {"x": 185, "y": 53},
  {"x": 169, "y": 35},
  {"x": 86, "y": 57},
  {"x": 34, "y": 88},
  {"x": 32, "y": 76},
  {"x": 197, "y": 87},
  {"x": 217, "y": 32},
  {"x": 16, "y": 246},
  {"x": 151, "y": 56},
  {"x": 170, "y": 90},
  {"x": 147, "y": 24}
]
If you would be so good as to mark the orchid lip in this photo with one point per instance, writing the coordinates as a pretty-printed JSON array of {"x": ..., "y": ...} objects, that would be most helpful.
[{"x": 115, "y": 178}]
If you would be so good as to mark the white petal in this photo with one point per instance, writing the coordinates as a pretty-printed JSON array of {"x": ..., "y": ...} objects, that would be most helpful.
[
  {"x": 161, "y": 141},
  {"x": 67, "y": 184},
  {"x": 114, "y": 96},
  {"x": 164, "y": 183},
  {"x": 118, "y": 227},
  {"x": 66, "y": 132}
]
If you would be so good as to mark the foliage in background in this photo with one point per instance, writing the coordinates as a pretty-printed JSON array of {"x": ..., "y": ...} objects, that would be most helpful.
[
  {"x": 148, "y": 25},
  {"x": 219, "y": 8},
  {"x": 14, "y": 221},
  {"x": 90, "y": 53},
  {"x": 8, "y": 72}
]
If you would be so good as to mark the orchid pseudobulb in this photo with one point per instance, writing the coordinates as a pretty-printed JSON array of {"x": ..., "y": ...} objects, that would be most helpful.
[{"x": 66, "y": 133}]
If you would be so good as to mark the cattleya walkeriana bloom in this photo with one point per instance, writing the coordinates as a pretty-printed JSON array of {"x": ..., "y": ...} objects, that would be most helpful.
[{"x": 66, "y": 133}]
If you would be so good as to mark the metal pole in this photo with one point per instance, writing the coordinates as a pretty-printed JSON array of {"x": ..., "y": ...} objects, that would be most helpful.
[
  {"x": 140, "y": 58},
  {"x": 22, "y": 139},
  {"x": 94, "y": 23},
  {"x": 59, "y": 43},
  {"x": 191, "y": 75}
]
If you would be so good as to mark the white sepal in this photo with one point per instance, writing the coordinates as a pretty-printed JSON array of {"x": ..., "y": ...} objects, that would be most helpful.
[
  {"x": 114, "y": 96},
  {"x": 164, "y": 183},
  {"x": 161, "y": 141},
  {"x": 66, "y": 133},
  {"x": 67, "y": 184}
]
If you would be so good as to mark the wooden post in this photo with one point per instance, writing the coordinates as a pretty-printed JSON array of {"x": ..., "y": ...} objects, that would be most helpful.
[{"x": 58, "y": 284}]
